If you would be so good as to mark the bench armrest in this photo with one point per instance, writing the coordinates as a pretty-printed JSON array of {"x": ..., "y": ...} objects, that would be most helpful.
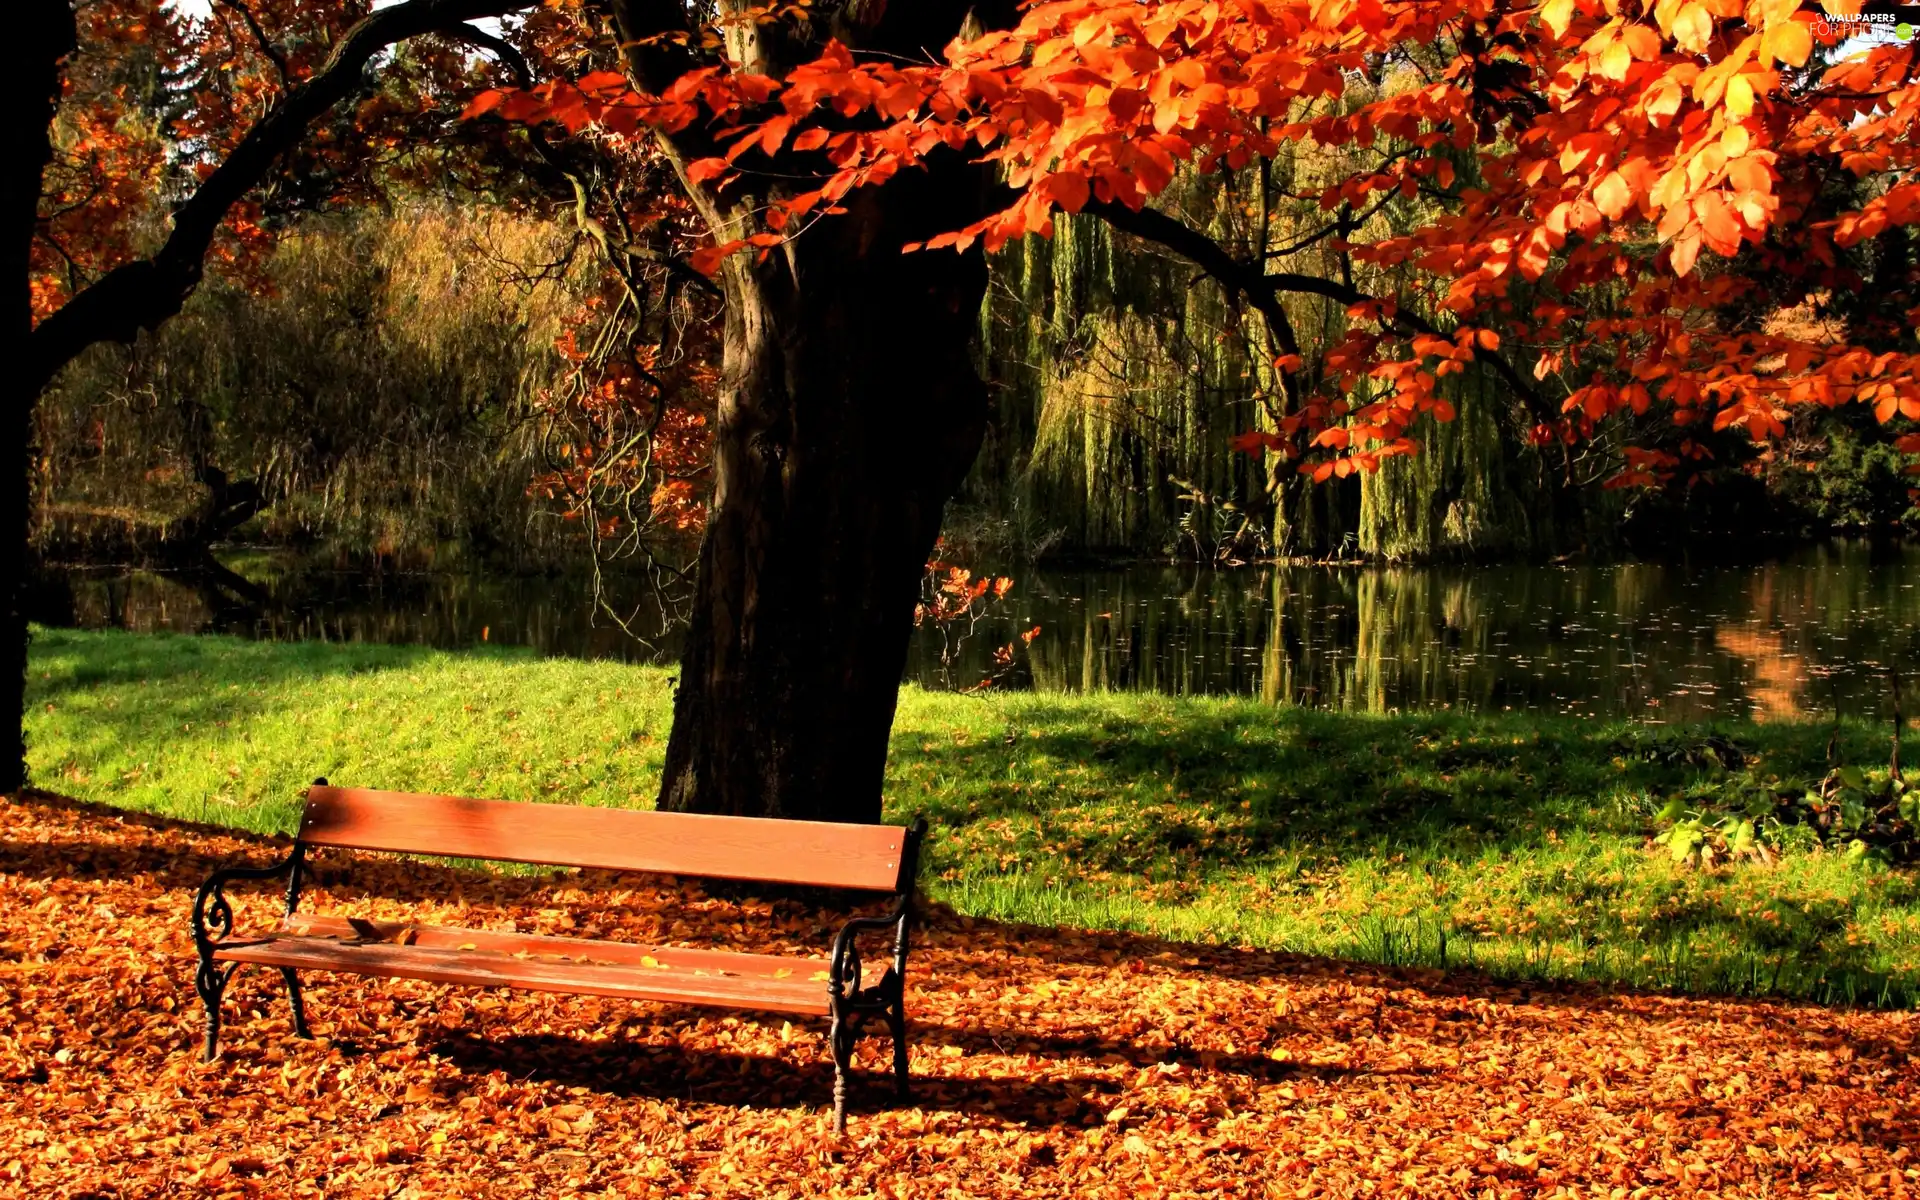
[
  {"x": 843, "y": 972},
  {"x": 213, "y": 916}
]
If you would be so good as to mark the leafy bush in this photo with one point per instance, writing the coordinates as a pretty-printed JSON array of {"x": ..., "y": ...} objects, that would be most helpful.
[{"x": 1866, "y": 813}]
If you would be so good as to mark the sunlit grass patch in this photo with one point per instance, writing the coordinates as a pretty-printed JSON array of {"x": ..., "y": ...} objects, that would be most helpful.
[{"x": 230, "y": 731}]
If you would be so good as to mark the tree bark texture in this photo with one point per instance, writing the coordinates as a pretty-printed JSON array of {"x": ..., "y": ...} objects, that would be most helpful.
[
  {"x": 849, "y": 414},
  {"x": 43, "y": 35}
]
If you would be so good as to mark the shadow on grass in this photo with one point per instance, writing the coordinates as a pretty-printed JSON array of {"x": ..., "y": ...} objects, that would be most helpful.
[
  {"x": 1222, "y": 788},
  {"x": 111, "y": 659}
]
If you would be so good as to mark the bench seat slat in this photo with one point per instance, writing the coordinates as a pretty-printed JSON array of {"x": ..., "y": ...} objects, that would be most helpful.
[
  {"x": 492, "y": 968},
  {"x": 447, "y": 937},
  {"x": 809, "y": 853}
]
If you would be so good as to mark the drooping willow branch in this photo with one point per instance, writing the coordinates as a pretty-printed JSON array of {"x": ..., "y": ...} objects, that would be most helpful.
[{"x": 1264, "y": 289}]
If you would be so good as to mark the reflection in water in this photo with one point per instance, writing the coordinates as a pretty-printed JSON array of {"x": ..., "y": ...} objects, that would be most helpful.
[
  {"x": 310, "y": 601},
  {"x": 1658, "y": 641},
  {"x": 1779, "y": 688}
]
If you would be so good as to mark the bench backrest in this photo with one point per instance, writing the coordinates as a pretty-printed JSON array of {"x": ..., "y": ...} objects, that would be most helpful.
[{"x": 814, "y": 853}]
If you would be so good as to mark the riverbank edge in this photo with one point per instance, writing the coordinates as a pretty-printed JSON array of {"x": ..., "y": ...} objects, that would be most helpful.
[{"x": 71, "y": 554}]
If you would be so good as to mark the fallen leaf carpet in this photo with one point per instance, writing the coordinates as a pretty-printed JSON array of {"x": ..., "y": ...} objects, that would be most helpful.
[{"x": 1046, "y": 1062}]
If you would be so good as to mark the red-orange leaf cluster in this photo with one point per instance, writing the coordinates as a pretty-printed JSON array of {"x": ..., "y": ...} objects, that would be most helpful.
[{"x": 1604, "y": 147}]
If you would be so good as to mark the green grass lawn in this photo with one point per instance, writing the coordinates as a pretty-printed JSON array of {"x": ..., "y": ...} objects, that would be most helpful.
[{"x": 1512, "y": 844}]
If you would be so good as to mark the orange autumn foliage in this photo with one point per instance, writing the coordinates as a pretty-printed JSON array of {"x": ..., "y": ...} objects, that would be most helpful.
[
  {"x": 634, "y": 440},
  {"x": 153, "y": 101},
  {"x": 1610, "y": 189}
]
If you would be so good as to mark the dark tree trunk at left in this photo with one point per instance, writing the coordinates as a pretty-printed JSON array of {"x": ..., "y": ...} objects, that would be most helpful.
[{"x": 42, "y": 34}]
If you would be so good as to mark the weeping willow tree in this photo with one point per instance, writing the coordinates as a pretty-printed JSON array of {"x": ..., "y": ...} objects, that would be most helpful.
[
  {"x": 1123, "y": 374},
  {"x": 1121, "y": 380},
  {"x": 381, "y": 395},
  {"x": 1459, "y": 495}
]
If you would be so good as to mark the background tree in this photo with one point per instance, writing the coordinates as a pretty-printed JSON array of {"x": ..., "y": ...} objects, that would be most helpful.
[{"x": 134, "y": 292}]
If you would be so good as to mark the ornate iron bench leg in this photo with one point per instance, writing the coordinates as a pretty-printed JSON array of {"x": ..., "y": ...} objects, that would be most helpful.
[
  {"x": 295, "y": 876},
  {"x": 846, "y": 1030},
  {"x": 897, "y": 992},
  {"x": 213, "y": 924},
  {"x": 297, "y": 1001},
  {"x": 886, "y": 999},
  {"x": 211, "y": 982},
  {"x": 897, "y": 1026}
]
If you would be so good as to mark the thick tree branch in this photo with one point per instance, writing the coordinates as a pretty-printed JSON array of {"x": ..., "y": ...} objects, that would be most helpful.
[
  {"x": 1263, "y": 290},
  {"x": 141, "y": 295},
  {"x": 1240, "y": 279},
  {"x": 508, "y": 54},
  {"x": 1207, "y": 254}
]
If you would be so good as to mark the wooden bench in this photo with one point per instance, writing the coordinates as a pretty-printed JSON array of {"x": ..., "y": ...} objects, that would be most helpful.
[{"x": 877, "y": 858}]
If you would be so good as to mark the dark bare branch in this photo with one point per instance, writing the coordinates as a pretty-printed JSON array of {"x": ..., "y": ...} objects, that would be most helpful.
[
  {"x": 1263, "y": 290},
  {"x": 261, "y": 40},
  {"x": 508, "y": 54},
  {"x": 1210, "y": 256},
  {"x": 141, "y": 295}
]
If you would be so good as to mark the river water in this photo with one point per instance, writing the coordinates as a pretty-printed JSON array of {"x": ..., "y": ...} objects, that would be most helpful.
[{"x": 1658, "y": 641}]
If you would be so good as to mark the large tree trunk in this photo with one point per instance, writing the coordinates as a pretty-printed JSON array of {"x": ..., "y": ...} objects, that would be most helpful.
[
  {"x": 43, "y": 34},
  {"x": 849, "y": 414}
]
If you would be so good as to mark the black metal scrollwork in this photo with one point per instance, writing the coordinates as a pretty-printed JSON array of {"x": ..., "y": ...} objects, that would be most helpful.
[
  {"x": 886, "y": 998},
  {"x": 213, "y": 924}
]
